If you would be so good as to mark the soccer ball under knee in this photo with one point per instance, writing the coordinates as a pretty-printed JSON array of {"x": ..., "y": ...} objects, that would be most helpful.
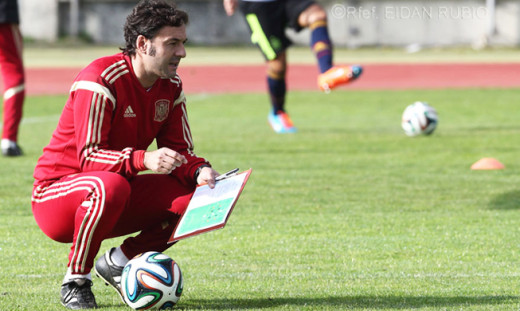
[{"x": 151, "y": 280}]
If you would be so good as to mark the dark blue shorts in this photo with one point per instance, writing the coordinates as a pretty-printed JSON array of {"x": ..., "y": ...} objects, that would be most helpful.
[{"x": 268, "y": 21}]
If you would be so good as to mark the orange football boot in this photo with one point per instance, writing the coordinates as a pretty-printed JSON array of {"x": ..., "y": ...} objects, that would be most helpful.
[{"x": 338, "y": 75}]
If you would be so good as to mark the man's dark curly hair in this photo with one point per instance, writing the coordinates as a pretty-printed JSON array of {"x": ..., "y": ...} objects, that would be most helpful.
[{"x": 147, "y": 18}]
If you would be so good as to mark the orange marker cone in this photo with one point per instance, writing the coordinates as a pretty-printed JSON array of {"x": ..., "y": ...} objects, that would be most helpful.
[{"x": 487, "y": 164}]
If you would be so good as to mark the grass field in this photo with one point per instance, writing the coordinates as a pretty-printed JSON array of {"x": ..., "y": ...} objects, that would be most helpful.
[{"x": 348, "y": 213}]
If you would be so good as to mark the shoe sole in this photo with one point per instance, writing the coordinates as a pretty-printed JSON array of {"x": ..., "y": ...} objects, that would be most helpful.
[{"x": 107, "y": 283}]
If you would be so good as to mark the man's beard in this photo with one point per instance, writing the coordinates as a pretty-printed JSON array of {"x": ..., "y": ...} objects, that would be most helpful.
[{"x": 152, "y": 51}]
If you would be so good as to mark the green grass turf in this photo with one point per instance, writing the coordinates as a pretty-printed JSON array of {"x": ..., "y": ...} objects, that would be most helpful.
[{"x": 348, "y": 213}]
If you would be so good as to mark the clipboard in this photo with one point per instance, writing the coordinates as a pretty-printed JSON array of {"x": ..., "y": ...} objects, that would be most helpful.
[{"x": 209, "y": 209}]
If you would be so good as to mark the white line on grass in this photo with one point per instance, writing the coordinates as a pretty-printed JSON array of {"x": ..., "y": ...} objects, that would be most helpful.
[
  {"x": 41, "y": 119},
  {"x": 56, "y": 117}
]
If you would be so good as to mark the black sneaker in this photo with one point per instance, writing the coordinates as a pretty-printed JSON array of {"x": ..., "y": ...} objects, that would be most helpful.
[
  {"x": 109, "y": 272},
  {"x": 12, "y": 151},
  {"x": 77, "y": 294}
]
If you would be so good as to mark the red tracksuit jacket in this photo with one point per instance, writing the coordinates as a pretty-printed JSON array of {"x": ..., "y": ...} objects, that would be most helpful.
[{"x": 110, "y": 120}]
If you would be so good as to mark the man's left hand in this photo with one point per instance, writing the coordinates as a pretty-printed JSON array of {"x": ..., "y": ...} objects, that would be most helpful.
[{"x": 207, "y": 175}]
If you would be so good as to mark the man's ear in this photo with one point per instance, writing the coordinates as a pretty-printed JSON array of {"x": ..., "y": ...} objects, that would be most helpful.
[{"x": 142, "y": 44}]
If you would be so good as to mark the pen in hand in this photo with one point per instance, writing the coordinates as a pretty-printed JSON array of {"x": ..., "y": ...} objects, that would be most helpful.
[{"x": 226, "y": 175}]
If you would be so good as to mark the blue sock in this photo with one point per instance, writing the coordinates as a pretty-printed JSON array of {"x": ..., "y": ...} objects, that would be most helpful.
[
  {"x": 277, "y": 89},
  {"x": 321, "y": 45}
]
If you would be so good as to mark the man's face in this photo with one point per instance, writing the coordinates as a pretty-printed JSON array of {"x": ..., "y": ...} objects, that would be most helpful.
[{"x": 165, "y": 51}]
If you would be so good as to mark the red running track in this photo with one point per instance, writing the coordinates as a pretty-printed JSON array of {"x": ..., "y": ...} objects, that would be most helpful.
[{"x": 251, "y": 78}]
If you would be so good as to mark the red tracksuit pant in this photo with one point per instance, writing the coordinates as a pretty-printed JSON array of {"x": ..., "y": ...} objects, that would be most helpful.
[
  {"x": 87, "y": 208},
  {"x": 11, "y": 67}
]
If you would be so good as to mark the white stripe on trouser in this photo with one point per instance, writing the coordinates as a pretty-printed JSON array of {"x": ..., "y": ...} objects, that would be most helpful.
[
  {"x": 84, "y": 237},
  {"x": 13, "y": 91},
  {"x": 92, "y": 216}
]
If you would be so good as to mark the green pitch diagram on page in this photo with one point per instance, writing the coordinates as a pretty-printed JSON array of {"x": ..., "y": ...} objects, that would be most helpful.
[{"x": 205, "y": 216}]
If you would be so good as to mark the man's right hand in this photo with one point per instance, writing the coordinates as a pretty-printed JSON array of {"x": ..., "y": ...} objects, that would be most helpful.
[
  {"x": 230, "y": 6},
  {"x": 163, "y": 160}
]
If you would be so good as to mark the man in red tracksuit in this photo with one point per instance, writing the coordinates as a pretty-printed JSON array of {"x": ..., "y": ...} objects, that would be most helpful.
[
  {"x": 12, "y": 70},
  {"x": 87, "y": 188}
]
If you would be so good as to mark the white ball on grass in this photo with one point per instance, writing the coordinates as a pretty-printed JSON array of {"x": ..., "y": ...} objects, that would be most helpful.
[{"x": 419, "y": 118}]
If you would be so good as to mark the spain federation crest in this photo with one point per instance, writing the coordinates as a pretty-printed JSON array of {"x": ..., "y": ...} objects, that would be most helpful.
[{"x": 162, "y": 108}]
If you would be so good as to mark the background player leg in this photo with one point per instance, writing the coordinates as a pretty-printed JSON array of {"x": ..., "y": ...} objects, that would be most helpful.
[
  {"x": 276, "y": 82},
  {"x": 315, "y": 18},
  {"x": 11, "y": 66}
]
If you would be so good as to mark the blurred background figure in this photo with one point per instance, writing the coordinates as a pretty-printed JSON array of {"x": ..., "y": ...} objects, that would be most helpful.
[
  {"x": 12, "y": 70},
  {"x": 267, "y": 20}
]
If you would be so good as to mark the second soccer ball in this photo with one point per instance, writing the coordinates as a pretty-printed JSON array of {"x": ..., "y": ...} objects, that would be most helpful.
[{"x": 419, "y": 118}]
